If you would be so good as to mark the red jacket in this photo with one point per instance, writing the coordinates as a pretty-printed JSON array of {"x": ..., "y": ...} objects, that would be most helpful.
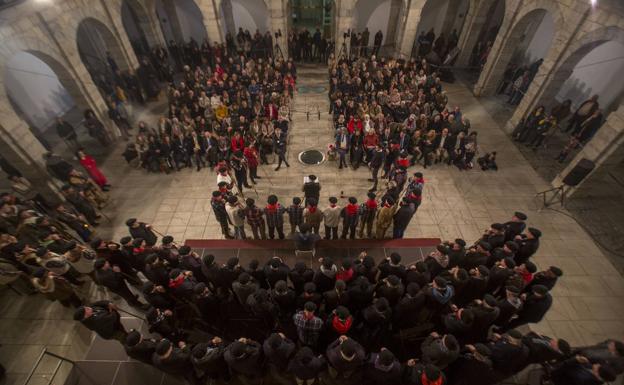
[
  {"x": 251, "y": 156},
  {"x": 237, "y": 145}
]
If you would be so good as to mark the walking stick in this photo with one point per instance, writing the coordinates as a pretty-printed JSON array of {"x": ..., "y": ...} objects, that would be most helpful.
[
  {"x": 267, "y": 176},
  {"x": 236, "y": 184}
]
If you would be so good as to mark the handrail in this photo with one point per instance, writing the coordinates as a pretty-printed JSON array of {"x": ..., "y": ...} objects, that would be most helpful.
[{"x": 45, "y": 352}]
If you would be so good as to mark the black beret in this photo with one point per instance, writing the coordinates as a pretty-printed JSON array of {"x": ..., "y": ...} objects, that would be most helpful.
[
  {"x": 184, "y": 250},
  {"x": 483, "y": 270},
  {"x": 96, "y": 243},
  {"x": 340, "y": 284},
  {"x": 312, "y": 202},
  {"x": 539, "y": 289},
  {"x": 512, "y": 289},
  {"x": 413, "y": 288},
  {"x": 372, "y": 195},
  {"x": 442, "y": 248},
  {"x": 280, "y": 285},
  {"x": 200, "y": 350},
  {"x": 342, "y": 312},
  {"x": 79, "y": 313},
  {"x": 394, "y": 280},
  {"x": 418, "y": 174},
  {"x": 352, "y": 200},
  {"x": 272, "y": 199},
  {"x": 312, "y": 177},
  {"x": 167, "y": 239},
  {"x": 461, "y": 242},
  {"x": 395, "y": 258},
  {"x": 237, "y": 348},
  {"x": 556, "y": 271},
  {"x": 131, "y": 221},
  {"x": 440, "y": 282},
  {"x": 520, "y": 215},
  {"x": 151, "y": 259},
  {"x": 333, "y": 200},
  {"x": 386, "y": 357},
  {"x": 509, "y": 262},
  {"x": 511, "y": 245},
  {"x": 513, "y": 333},
  {"x": 530, "y": 267},
  {"x": 482, "y": 349},
  {"x": 535, "y": 232},
  {"x": 485, "y": 246},
  {"x": 208, "y": 259},
  {"x": 163, "y": 346},
  {"x": 232, "y": 262},
  {"x": 309, "y": 287},
  {"x": 348, "y": 347},
  {"x": 250, "y": 202},
  {"x": 133, "y": 338},
  {"x": 489, "y": 300},
  {"x": 173, "y": 274},
  {"x": 244, "y": 278},
  {"x": 125, "y": 240},
  {"x": 498, "y": 226},
  {"x": 41, "y": 251},
  {"x": 99, "y": 263},
  {"x": 296, "y": 200},
  {"x": 216, "y": 194}
]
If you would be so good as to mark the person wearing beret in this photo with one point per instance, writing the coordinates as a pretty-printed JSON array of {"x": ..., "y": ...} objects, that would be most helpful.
[
  {"x": 383, "y": 368},
  {"x": 402, "y": 218},
  {"x": 528, "y": 243},
  {"x": 157, "y": 296},
  {"x": 476, "y": 255},
  {"x": 81, "y": 204},
  {"x": 103, "y": 318},
  {"x": 509, "y": 354},
  {"x": 546, "y": 278},
  {"x": 112, "y": 278},
  {"x": 277, "y": 350},
  {"x": 190, "y": 260},
  {"x": 208, "y": 360},
  {"x": 485, "y": 312},
  {"x": 579, "y": 370},
  {"x": 217, "y": 202},
  {"x": 495, "y": 235},
  {"x": 169, "y": 251},
  {"x": 456, "y": 251},
  {"x": 346, "y": 358},
  {"x": 543, "y": 349},
  {"x": 306, "y": 367},
  {"x": 475, "y": 286},
  {"x": 174, "y": 359},
  {"x": 140, "y": 348},
  {"x": 274, "y": 215},
  {"x": 473, "y": 366},
  {"x": 515, "y": 226},
  {"x": 244, "y": 357},
  {"x": 311, "y": 190},
  {"x": 141, "y": 230},
  {"x": 509, "y": 306},
  {"x": 417, "y": 373},
  {"x": 536, "y": 304}
]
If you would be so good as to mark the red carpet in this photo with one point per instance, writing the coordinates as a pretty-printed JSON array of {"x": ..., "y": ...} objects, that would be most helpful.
[{"x": 288, "y": 244}]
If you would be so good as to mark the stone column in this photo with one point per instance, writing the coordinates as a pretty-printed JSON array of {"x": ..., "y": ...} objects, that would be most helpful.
[
  {"x": 228, "y": 17},
  {"x": 211, "y": 19},
  {"x": 601, "y": 149},
  {"x": 475, "y": 20},
  {"x": 172, "y": 19},
  {"x": 414, "y": 11},
  {"x": 449, "y": 19},
  {"x": 112, "y": 9},
  {"x": 501, "y": 51},
  {"x": 394, "y": 24},
  {"x": 279, "y": 22},
  {"x": 344, "y": 23}
]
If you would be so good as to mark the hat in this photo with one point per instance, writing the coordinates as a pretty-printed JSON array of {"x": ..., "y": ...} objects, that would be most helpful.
[
  {"x": 220, "y": 184},
  {"x": 498, "y": 226},
  {"x": 482, "y": 349},
  {"x": 348, "y": 348},
  {"x": 386, "y": 357},
  {"x": 163, "y": 346},
  {"x": 133, "y": 338},
  {"x": 483, "y": 270},
  {"x": 312, "y": 202},
  {"x": 333, "y": 200},
  {"x": 79, "y": 313},
  {"x": 304, "y": 227},
  {"x": 151, "y": 259},
  {"x": 125, "y": 240},
  {"x": 309, "y": 306},
  {"x": 535, "y": 232},
  {"x": 461, "y": 242},
  {"x": 232, "y": 262},
  {"x": 237, "y": 349},
  {"x": 309, "y": 287},
  {"x": 521, "y": 216},
  {"x": 512, "y": 289},
  {"x": 564, "y": 347},
  {"x": 511, "y": 245},
  {"x": 200, "y": 350},
  {"x": 530, "y": 267},
  {"x": 275, "y": 262},
  {"x": 199, "y": 288},
  {"x": 342, "y": 312},
  {"x": 352, "y": 200},
  {"x": 442, "y": 248},
  {"x": 131, "y": 221},
  {"x": 296, "y": 200},
  {"x": 272, "y": 199},
  {"x": 509, "y": 262},
  {"x": 556, "y": 271},
  {"x": 382, "y": 304},
  {"x": 208, "y": 259},
  {"x": 394, "y": 280},
  {"x": 513, "y": 333},
  {"x": 41, "y": 251},
  {"x": 340, "y": 284},
  {"x": 539, "y": 290},
  {"x": 395, "y": 258},
  {"x": 167, "y": 239},
  {"x": 244, "y": 278},
  {"x": 148, "y": 287},
  {"x": 485, "y": 246},
  {"x": 216, "y": 194},
  {"x": 328, "y": 262},
  {"x": 274, "y": 340},
  {"x": 489, "y": 300},
  {"x": 418, "y": 174},
  {"x": 440, "y": 282},
  {"x": 371, "y": 195},
  {"x": 279, "y": 285},
  {"x": 250, "y": 202}
]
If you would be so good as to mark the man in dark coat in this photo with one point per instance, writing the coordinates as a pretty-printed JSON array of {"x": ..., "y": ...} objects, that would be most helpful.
[
  {"x": 244, "y": 357},
  {"x": 311, "y": 189},
  {"x": 141, "y": 230},
  {"x": 300, "y": 275},
  {"x": 509, "y": 354},
  {"x": 208, "y": 361},
  {"x": 402, "y": 218},
  {"x": 103, "y": 318},
  {"x": 547, "y": 278},
  {"x": 338, "y": 296},
  {"x": 528, "y": 244},
  {"x": 218, "y": 207},
  {"x": 345, "y": 357},
  {"x": 112, "y": 278},
  {"x": 174, "y": 360},
  {"x": 406, "y": 313},
  {"x": 473, "y": 367},
  {"x": 536, "y": 304},
  {"x": 392, "y": 266},
  {"x": 285, "y": 298},
  {"x": 543, "y": 349},
  {"x": 243, "y": 287},
  {"x": 485, "y": 313},
  {"x": 278, "y": 350},
  {"x": 579, "y": 370},
  {"x": 382, "y": 368},
  {"x": 515, "y": 226},
  {"x": 439, "y": 350},
  {"x": 305, "y": 366},
  {"x": 140, "y": 348},
  {"x": 275, "y": 270}
]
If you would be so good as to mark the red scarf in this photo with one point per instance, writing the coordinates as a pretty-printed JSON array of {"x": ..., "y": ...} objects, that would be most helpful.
[
  {"x": 345, "y": 275},
  {"x": 138, "y": 250},
  {"x": 371, "y": 204},
  {"x": 425, "y": 381},
  {"x": 272, "y": 208},
  {"x": 174, "y": 283},
  {"x": 420, "y": 180},
  {"x": 312, "y": 209},
  {"x": 340, "y": 326},
  {"x": 351, "y": 209},
  {"x": 527, "y": 277},
  {"x": 404, "y": 162}
]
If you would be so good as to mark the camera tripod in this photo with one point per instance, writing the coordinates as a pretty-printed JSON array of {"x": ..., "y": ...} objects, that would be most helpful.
[{"x": 278, "y": 50}]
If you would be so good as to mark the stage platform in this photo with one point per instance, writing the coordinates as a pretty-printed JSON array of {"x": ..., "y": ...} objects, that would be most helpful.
[{"x": 411, "y": 250}]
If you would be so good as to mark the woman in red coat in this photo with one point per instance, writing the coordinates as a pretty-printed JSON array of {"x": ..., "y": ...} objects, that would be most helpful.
[{"x": 89, "y": 164}]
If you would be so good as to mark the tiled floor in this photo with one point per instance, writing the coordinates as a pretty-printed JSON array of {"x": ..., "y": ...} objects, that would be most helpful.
[{"x": 589, "y": 299}]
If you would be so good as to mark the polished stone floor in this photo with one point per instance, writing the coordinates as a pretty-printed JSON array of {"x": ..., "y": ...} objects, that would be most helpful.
[{"x": 589, "y": 299}]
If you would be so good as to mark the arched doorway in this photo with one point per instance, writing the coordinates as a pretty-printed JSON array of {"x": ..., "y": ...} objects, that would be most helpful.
[
  {"x": 180, "y": 21},
  {"x": 40, "y": 89},
  {"x": 138, "y": 27},
  {"x": 441, "y": 22},
  {"x": 101, "y": 54},
  {"x": 245, "y": 15},
  {"x": 373, "y": 16}
]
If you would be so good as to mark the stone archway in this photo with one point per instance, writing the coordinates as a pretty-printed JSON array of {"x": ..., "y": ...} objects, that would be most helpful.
[
  {"x": 140, "y": 27},
  {"x": 484, "y": 20}
]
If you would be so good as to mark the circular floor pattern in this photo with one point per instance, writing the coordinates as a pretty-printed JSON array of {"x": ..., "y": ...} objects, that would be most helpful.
[
  {"x": 311, "y": 157},
  {"x": 311, "y": 89}
]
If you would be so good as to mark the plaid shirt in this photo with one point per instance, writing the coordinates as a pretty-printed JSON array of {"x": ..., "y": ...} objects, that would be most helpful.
[
  {"x": 295, "y": 214},
  {"x": 275, "y": 218},
  {"x": 254, "y": 216},
  {"x": 219, "y": 209},
  {"x": 308, "y": 331}
]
